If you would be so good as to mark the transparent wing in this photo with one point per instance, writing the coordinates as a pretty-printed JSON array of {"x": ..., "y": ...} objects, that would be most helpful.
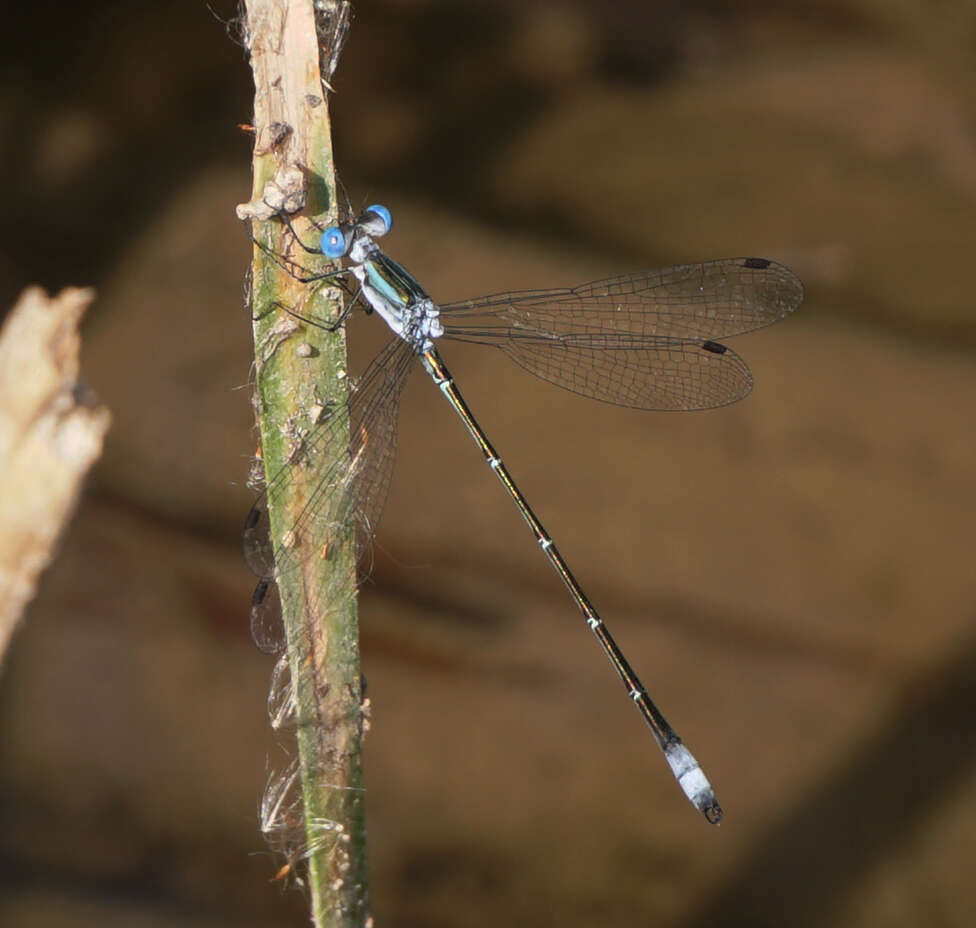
[
  {"x": 643, "y": 340},
  {"x": 349, "y": 493},
  {"x": 656, "y": 373},
  {"x": 691, "y": 301}
]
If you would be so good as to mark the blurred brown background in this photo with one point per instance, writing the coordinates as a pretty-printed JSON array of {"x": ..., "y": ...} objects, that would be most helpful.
[{"x": 793, "y": 576}]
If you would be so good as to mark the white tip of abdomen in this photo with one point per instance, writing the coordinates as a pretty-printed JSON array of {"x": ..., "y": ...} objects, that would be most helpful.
[{"x": 693, "y": 782}]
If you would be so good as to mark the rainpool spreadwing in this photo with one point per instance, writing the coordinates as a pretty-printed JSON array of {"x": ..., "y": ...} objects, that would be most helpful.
[{"x": 645, "y": 340}]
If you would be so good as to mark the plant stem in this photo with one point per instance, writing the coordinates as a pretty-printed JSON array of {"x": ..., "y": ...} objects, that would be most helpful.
[{"x": 300, "y": 369}]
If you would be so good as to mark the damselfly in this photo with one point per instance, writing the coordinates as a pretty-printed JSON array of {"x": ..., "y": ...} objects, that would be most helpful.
[{"x": 643, "y": 340}]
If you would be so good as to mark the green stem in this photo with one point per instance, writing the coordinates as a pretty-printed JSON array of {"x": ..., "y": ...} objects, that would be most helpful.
[{"x": 301, "y": 368}]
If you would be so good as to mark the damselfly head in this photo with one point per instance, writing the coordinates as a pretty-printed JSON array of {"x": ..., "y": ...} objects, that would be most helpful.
[{"x": 339, "y": 241}]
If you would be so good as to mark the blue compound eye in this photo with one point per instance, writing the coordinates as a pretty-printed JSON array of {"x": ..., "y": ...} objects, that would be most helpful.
[
  {"x": 334, "y": 242},
  {"x": 383, "y": 214}
]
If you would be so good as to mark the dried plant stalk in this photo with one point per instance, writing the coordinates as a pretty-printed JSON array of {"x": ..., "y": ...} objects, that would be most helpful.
[{"x": 300, "y": 370}]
